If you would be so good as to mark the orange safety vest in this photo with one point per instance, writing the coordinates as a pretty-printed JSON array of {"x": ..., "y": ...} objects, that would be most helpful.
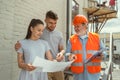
[{"x": 92, "y": 45}]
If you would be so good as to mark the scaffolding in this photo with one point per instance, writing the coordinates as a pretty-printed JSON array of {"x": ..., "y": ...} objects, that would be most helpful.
[{"x": 98, "y": 14}]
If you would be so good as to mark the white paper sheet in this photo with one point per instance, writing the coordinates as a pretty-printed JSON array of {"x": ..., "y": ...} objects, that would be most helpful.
[{"x": 49, "y": 66}]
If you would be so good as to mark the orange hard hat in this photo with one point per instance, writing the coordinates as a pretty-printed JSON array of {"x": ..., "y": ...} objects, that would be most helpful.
[{"x": 79, "y": 19}]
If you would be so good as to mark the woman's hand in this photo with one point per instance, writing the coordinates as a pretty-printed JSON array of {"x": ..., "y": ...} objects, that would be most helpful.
[
  {"x": 22, "y": 64},
  {"x": 60, "y": 56},
  {"x": 29, "y": 67}
]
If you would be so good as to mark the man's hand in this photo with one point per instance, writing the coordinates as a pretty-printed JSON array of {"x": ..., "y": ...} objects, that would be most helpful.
[
  {"x": 60, "y": 56},
  {"x": 100, "y": 57},
  {"x": 72, "y": 57},
  {"x": 17, "y": 46}
]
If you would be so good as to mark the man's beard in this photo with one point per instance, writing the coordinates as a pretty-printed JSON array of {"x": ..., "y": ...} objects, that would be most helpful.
[{"x": 82, "y": 32}]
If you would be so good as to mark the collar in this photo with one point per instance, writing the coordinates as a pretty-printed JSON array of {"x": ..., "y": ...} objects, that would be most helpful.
[
  {"x": 48, "y": 30},
  {"x": 84, "y": 36}
]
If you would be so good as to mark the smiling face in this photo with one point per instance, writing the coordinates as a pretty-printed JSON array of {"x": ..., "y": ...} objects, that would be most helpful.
[
  {"x": 37, "y": 31},
  {"x": 80, "y": 29},
  {"x": 50, "y": 23}
]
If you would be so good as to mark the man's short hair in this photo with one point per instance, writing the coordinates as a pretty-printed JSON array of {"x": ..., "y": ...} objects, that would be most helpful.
[{"x": 52, "y": 15}]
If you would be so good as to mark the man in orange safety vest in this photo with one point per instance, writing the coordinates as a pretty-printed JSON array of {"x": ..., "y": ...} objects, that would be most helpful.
[{"x": 81, "y": 46}]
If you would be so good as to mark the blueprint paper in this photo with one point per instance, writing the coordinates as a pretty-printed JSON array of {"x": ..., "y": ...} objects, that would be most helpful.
[{"x": 49, "y": 66}]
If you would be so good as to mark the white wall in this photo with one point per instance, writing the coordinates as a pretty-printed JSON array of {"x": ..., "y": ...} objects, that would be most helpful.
[
  {"x": 82, "y": 4},
  {"x": 15, "y": 16},
  {"x": 117, "y": 44}
]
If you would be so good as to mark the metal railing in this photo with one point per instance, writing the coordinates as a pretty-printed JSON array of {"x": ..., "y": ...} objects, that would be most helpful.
[{"x": 108, "y": 71}]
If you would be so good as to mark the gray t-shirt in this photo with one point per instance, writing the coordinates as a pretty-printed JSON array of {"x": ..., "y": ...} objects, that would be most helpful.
[
  {"x": 54, "y": 39},
  {"x": 30, "y": 49}
]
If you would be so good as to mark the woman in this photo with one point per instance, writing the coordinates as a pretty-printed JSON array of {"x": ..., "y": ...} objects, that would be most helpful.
[{"x": 31, "y": 47}]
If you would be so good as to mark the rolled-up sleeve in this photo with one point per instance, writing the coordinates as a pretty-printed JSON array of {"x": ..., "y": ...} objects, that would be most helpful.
[
  {"x": 102, "y": 46},
  {"x": 20, "y": 50},
  {"x": 68, "y": 49}
]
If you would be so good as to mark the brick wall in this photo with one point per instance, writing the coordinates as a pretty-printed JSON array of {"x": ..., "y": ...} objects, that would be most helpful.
[{"x": 15, "y": 16}]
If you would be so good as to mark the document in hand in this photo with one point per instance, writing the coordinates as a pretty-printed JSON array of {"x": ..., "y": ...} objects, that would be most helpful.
[
  {"x": 49, "y": 66},
  {"x": 94, "y": 55}
]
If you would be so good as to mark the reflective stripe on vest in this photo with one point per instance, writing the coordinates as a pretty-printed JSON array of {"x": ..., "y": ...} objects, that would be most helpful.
[
  {"x": 77, "y": 51},
  {"x": 77, "y": 64},
  {"x": 93, "y": 67},
  {"x": 93, "y": 64},
  {"x": 77, "y": 67},
  {"x": 92, "y": 51}
]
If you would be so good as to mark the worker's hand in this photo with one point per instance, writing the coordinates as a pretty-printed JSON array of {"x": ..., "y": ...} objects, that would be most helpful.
[
  {"x": 72, "y": 57},
  {"x": 100, "y": 57},
  {"x": 17, "y": 46},
  {"x": 29, "y": 67},
  {"x": 60, "y": 56}
]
